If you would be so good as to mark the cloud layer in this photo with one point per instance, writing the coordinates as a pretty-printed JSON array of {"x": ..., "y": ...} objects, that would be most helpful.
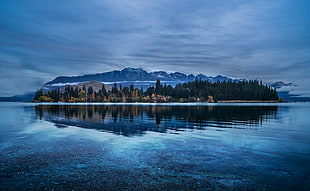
[{"x": 39, "y": 40}]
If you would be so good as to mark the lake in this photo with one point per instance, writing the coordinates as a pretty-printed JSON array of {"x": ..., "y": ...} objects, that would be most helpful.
[{"x": 155, "y": 146}]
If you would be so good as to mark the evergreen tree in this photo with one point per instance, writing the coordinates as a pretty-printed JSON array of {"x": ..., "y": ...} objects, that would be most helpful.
[
  {"x": 158, "y": 87},
  {"x": 90, "y": 92},
  {"x": 114, "y": 89},
  {"x": 38, "y": 94},
  {"x": 150, "y": 91},
  {"x": 103, "y": 91}
]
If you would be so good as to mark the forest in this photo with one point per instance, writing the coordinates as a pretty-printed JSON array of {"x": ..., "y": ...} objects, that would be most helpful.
[{"x": 196, "y": 91}]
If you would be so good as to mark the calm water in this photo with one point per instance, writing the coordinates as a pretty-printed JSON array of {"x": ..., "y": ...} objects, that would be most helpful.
[{"x": 155, "y": 147}]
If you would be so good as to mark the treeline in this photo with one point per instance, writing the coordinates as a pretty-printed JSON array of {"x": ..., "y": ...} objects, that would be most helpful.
[{"x": 196, "y": 91}]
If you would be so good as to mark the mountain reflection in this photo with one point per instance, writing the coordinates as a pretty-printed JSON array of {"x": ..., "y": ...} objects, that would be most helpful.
[{"x": 129, "y": 120}]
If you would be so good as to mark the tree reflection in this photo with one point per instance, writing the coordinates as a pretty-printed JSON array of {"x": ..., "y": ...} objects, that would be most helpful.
[{"x": 131, "y": 120}]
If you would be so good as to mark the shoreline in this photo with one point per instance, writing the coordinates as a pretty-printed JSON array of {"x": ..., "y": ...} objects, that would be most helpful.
[
  {"x": 166, "y": 104},
  {"x": 251, "y": 101}
]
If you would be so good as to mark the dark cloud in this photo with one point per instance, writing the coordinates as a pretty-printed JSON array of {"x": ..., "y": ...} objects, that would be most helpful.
[{"x": 39, "y": 40}]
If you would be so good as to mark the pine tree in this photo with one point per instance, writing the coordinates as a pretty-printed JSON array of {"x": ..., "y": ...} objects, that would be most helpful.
[
  {"x": 158, "y": 87},
  {"x": 38, "y": 94},
  {"x": 103, "y": 91}
]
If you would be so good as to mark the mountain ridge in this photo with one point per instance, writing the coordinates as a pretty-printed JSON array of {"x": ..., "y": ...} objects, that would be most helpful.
[{"x": 136, "y": 76}]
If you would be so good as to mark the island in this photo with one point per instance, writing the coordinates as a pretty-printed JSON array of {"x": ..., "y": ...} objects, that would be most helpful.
[{"x": 195, "y": 91}]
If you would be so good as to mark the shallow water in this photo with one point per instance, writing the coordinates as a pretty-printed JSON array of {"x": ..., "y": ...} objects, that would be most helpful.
[{"x": 155, "y": 147}]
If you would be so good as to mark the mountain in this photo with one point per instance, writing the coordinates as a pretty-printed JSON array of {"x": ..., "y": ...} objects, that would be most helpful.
[
  {"x": 287, "y": 96},
  {"x": 19, "y": 98},
  {"x": 128, "y": 76},
  {"x": 280, "y": 84},
  {"x": 285, "y": 92}
]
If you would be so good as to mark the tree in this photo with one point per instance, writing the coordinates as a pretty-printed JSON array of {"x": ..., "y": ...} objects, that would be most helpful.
[
  {"x": 131, "y": 89},
  {"x": 126, "y": 91},
  {"x": 38, "y": 94},
  {"x": 103, "y": 91},
  {"x": 45, "y": 99},
  {"x": 82, "y": 95},
  {"x": 114, "y": 89},
  {"x": 90, "y": 93},
  {"x": 158, "y": 87},
  {"x": 150, "y": 91}
]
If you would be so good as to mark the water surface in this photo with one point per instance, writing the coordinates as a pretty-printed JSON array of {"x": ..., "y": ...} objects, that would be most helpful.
[{"x": 155, "y": 147}]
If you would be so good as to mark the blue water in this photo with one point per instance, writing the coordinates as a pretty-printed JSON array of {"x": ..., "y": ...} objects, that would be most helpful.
[{"x": 155, "y": 147}]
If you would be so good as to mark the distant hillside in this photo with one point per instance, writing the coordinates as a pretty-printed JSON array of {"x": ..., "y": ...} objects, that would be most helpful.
[
  {"x": 287, "y": 96},
  {"x": 280, "y": 84},
  {"x": 28, "y": 97},
  {"x": 94, "y": 84}
]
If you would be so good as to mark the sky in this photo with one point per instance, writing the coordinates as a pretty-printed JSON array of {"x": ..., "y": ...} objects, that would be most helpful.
[{"x": 263, "y": 39}]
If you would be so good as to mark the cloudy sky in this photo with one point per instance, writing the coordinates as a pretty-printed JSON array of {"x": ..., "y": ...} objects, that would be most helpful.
[{"x": 263, "y": 39}]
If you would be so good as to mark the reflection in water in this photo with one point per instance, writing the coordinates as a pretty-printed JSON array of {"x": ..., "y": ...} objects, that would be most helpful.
[{"x": 131, "y": 120}]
